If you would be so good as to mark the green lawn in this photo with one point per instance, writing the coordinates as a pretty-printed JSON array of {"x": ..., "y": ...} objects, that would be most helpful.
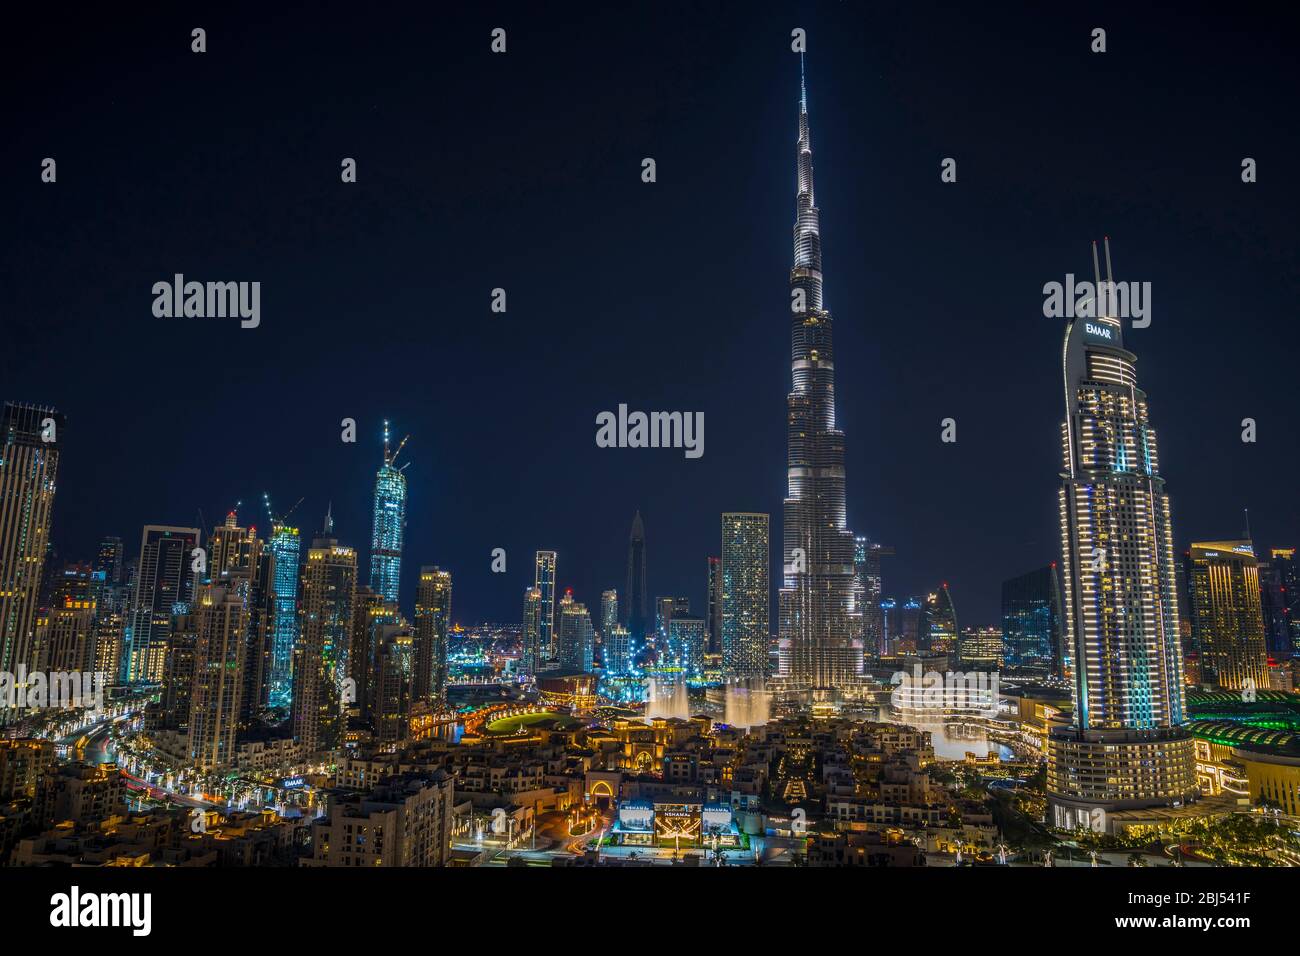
[{"x": 509, "y": 725}]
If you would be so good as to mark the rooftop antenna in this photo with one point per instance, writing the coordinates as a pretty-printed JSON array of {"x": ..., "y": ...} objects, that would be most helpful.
[
  {"x": 1110, "y": 276},
  {"x": 1247, "y": 513},
  {"x": 803, "y": 84},
  {"x": 1096, "y": 269}
]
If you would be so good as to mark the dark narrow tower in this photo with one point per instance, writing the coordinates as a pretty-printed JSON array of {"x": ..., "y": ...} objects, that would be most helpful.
[
  {"x": 635, "y": 608},
  {"x": 818, "y": 652}
]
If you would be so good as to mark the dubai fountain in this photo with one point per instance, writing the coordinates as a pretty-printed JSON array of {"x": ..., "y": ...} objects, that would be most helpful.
[
  {"x": 747, "y": 703},
  {"x": 666, "y": 699}
]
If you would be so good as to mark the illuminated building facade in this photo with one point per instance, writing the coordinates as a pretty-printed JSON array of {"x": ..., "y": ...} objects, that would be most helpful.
[
  {"x": 941, "y": 624},
  {"x": 530, "y": 653},
  {"x": 73, "y": 612},
  {"x": 666, "y": 608},
  {"x": 109, "y": 559},
  {"x": 394, "y": 683},
  {"x": 1125, "y": 750},
  {"x": 1227, "y": 621},
  {"x": 285, "y": 547},
  {"x": 713, "y": 615},
  {"x": 389, "y": 524},
  {"x": 687, "y": 637},
  {"x": 1279, "y": 584},
  {"x": 820, "y": 653},
  {"x": 618, "y": 651},
  {"x": 164, "y": 578},
  {"x": 981, "y": 648},
  {"x": 544, "y": 582},
  {"x": 29, "y": 467},
  {"x": 329, "y": 580},
  {"x": 222, "y": 620},
  {"x": 746, "y": 595},
  {"x": 1031, "y": 620},
  {"x": 432, "y": 625},
  {"x": 577, "y": 642}
]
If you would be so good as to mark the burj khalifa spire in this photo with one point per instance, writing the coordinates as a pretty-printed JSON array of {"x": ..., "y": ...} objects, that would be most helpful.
[{"x": 818, "y": 650}]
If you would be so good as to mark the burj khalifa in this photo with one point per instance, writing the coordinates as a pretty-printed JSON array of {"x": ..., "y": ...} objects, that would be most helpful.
[{"x": 820, "y": 656}]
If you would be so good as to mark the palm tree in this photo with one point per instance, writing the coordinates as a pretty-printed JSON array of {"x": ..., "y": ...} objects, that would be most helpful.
[{"x": 1137, "y": 859}]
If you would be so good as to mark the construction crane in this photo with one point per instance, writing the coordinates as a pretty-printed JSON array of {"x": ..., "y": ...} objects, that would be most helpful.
[
  {"x": 278, "y": 522},
  {"x": 391, "y": 459}
]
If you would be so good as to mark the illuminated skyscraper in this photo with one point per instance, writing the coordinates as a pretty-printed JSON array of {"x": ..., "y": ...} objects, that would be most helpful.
[
  {"x": 329, "y": 579},
  {"x": 617, "y": 647},
  {"x": 389, "y": 525},
  {"x": 238, "y": 560},
  {"x": 370, "y": 614},
  {"x": 819, "y": 651},
  {"x": 713, "y": 613},
  {"x": 577, "y": 643},
  {"x": 29, "y": 465},
  {"x": 432, "y": 624},
  {"x": 1031, "y": 620},
  {"x": 530, "y": 655},
  {"x": 394, "y": 683},
  {"x": 608, "y": 611},
  {"x": 1279, "y": 581},
  {"x": 284, "y": 546},
  {"x": 667, "y": 608},
  {"x": 685, "y": 649},
  {"x": 221, "y": 624},
  {"x": 868, "y": 592},
  {"x": 941, "y": 624},
  {"x": 72, "y": 613},
  {"x": 608, "y": 621},
  {"x": 746, "y": 595},
  {"x": 545, "y": 584},
  {"x": 1227, "y": 621},
  {"x": 164, "y": 580},
  {"x": 110, "y": 560},
  {"x": 1125, "y": 749},
  {"x": 636, "y": 609}
]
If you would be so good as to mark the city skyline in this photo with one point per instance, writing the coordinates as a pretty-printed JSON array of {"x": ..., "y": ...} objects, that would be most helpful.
[
  {"x": 914, "y": 351},
  {"x": 323, "y": 546}
]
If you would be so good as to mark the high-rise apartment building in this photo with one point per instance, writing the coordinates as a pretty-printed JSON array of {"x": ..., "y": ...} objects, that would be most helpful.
[
  {"x": 1227, "y": 621},
  {"x": 164, "y": 582},
  {"x": 30, "y": 437},
  {"x": 577, "y": 642},
  {"x": 545, "y": 584},
  {"x": 746, "y": 595},
  {"x": 530, "y": 652},
  {"x": 329, "y": 580},
  {"x": 713, "y": 612},
  {"x": 222, "y": 623},
  {"x": 432, "y": 626}
]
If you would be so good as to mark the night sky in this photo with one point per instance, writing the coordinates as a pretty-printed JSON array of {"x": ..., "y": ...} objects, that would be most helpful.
[{"x": 522, "y": 171}]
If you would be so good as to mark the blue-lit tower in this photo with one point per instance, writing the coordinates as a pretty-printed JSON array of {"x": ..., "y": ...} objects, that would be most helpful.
[
  {"x": 390, "y": 524},
  {"x": 285, "y": 546}
]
